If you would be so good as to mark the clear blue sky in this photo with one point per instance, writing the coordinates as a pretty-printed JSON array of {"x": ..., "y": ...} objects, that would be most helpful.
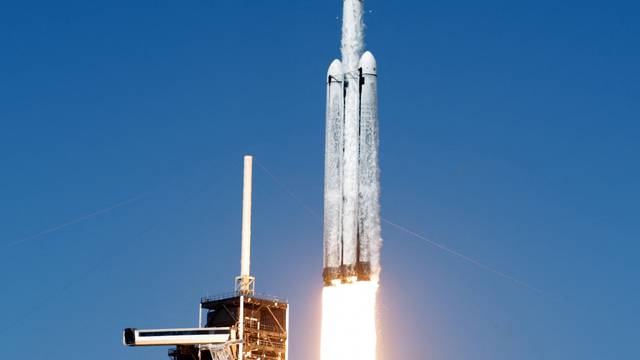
[{"x": 509, "y": 132}]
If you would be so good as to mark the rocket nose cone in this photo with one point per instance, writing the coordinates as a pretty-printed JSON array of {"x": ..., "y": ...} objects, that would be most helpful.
[
  {"x": 368, "y": 63},
  {"x": 335, "y": 69}
]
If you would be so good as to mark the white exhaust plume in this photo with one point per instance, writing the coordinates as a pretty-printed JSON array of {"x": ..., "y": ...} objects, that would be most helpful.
[{"x": 349, "y": 322}]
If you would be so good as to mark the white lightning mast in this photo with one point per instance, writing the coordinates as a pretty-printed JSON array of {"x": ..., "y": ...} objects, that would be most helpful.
[{"x": 245, "y": 283}]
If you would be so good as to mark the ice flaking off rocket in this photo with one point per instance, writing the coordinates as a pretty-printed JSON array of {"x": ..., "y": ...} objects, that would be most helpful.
[{"x": 352, "y": 185}]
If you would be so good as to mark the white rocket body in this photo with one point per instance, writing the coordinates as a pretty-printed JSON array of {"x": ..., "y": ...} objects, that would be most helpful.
[
  {"x": 369, "y": 171},
  {"x": 352, "y": 191},
  {"x": 333, "y": 167}
]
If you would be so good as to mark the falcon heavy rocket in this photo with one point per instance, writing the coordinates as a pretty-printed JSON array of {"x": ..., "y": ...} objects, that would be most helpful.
[{"x": 352, "y": 186}]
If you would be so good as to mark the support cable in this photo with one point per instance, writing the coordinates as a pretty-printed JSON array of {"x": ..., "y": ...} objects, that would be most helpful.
[
  {"x": 404, "y": 229},
  {"x": 80, "y": 219}
]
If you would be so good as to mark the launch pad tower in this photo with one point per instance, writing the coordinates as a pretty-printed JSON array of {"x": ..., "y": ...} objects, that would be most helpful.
[
  {"x": 241, "y": 325},
  {"x": 260, "y": 320}
]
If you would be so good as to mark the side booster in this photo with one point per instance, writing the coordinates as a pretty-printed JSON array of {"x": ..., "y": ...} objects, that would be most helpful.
[{"x": 352, "y": 191}]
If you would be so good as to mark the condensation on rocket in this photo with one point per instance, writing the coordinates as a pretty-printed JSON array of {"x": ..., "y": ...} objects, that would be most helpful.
[{"x": 352, "y": 186}]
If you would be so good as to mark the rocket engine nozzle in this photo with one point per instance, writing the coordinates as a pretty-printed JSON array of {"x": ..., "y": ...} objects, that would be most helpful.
[{"x": 346, "y": 274}]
